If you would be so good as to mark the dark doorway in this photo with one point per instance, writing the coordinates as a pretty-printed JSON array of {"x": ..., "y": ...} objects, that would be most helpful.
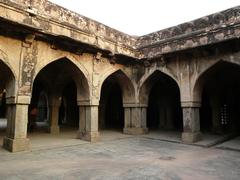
[
  {"x": 3, "y": 104},
  {"x": 164, "y": 109},
  {"x": 220, "y": 99},
  {"x": 38, "y": 109},
  {"x": 69, "y": 111},
  {"x": 56, "y": 81},
  {"x": 7, "y": 87},
  {"x": 111, "y": 112}
]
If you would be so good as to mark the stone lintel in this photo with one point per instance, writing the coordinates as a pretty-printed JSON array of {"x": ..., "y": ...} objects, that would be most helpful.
[
  {"x": 87, "y": 103},
  {"x": 191, "y": 104},
  {"x": 134, "y": 105}
]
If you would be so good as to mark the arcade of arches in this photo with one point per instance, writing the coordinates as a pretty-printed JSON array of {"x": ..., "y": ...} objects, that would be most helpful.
[
  {"x": 61, "y": 99},
  {"x": 69, "y": 72}
]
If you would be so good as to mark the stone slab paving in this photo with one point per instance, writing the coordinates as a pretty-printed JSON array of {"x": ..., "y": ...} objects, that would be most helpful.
[
  {"x": 122, "y": 159},
  {"x": 41, "y": 140},
  {"x": 233, "y": 144},
  {"x": 170, "y": 136},
  {"x": 208, "y": 139}
]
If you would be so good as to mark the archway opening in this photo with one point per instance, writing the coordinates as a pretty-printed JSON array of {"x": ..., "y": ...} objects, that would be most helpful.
[
  {"x": 220, "y": 107},
  {"x": 164, "y": 109},
  {"x": 69, "y": 111},
  {"x": 38, "y": 118},
  {"x": 57, "y": 86},
  {"x": 7, "y": 88},
  {"x": 111, "y": 112}
]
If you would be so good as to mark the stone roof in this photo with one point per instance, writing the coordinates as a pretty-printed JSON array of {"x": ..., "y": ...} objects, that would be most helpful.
[
  {"x": 49, "y": 18},
  {"x": 206, "y": 30}
]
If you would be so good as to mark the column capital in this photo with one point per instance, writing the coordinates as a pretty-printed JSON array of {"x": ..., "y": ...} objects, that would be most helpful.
[
  {"x": 193, "y": 104},
  {"x": 11, "y": 100},
  {"x": 24, "y": 100},
  {"x": 134, "y": 105},
  {"x": 87, "y": 103}
]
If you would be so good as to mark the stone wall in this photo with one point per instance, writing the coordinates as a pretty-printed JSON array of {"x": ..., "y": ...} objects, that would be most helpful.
[{"x": 36, "y": 34}]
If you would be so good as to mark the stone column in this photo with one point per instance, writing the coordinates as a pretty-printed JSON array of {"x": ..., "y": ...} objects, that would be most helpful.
[
  {"x": 191, "y": 122},
  {"x": 54, "y": 116},
  {"x": 54, "y": 105},
  {"x": 17, "y": 119},
  {"x": 88, "y": 122},
  {"x": 135, "y": 116}
]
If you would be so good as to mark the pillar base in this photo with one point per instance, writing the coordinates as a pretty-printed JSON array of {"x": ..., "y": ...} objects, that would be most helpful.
[
  {"x": 89, "y": 136},
  {"x": 135, "y": 131},
  {"x": 16, "y": 145},
  {"x": 54, "y": 130},
  {"x": 190, "y": 137}
]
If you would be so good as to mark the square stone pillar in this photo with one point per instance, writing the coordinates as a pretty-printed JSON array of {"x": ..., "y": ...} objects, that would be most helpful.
[
  {"x": 53, "y": 114},
  {"x": 17, "y": 119},
  {"x": 88, "y": 123},
  {"x": 191, "y": 122},
  {"x": 135, "y": 116}
]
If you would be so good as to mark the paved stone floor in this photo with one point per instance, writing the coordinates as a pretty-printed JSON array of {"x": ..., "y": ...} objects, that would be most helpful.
[{"x": 125, "y": 158}]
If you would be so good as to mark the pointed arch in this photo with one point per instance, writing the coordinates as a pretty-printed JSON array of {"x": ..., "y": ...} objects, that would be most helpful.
[
  {"x": 72, "y": 70},
  {"x": 125, "y": 83},
  {"x": 202, "y": 76},
  {"x": 217, "y": 89},
  {"x": 7, "y": 79},
  {"x": 147, "y": 82},
  {"x": 116, "y": 92},
  {"x": 70, "y": 58}
]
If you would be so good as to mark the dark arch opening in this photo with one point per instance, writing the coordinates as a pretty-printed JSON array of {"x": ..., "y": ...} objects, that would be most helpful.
[
  {"x": 164, "y": 110},
  {"x": 38, "y": 109},
  {"x": 69, "y": 111},
  {"x": 220, "y": 107},
  {"x": 60, "y": 80},
  {"x": 111, "y": 112},
  {"x": 7, "y": 87}
]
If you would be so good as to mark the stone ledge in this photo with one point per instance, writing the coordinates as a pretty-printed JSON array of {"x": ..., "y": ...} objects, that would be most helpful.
[
  {"x": 89, "y": 136},
  {"x": 16, "y": 145},
  {"x": 135, "y": 131},
  {"x": 54, "y": 130},
  {"x": 191, "y": 137}
]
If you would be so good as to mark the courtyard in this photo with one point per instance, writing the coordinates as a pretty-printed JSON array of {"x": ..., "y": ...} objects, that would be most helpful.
[
  {"x": 119, "y": 156},
  {"x": 81, "y": 100}
]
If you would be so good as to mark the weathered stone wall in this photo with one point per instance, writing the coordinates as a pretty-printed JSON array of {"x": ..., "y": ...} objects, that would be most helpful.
[
  {"x": 34, "y": 34},
  {"x": 46, "y": 17},
  {"x": 207, "y": 30}
]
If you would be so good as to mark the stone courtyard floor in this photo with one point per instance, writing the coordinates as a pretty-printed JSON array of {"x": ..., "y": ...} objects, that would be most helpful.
[{"x": 122, "y": 157}]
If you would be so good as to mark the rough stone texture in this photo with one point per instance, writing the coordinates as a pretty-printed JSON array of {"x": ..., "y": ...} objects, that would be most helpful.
[
  {"x": 49, "y": 18},
  {"x": 126, "y": 159},
  {"x": 135, "y": 131},
  {"x": 16, "y": 144},
  {"x": 35, "y": 34},
  {"x": 203, "y": 31}
]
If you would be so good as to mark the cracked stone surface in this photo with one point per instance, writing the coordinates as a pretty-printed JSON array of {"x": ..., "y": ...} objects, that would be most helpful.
[{"x": 128, "y": 158}]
